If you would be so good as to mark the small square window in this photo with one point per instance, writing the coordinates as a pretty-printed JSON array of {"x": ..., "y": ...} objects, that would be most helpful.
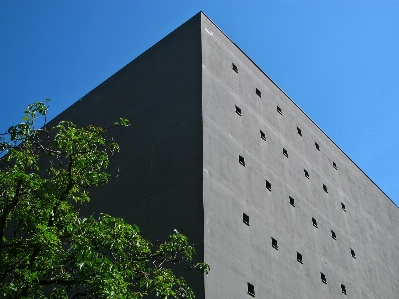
[
  {"x": 285, "y": 153},
  {"x": 317, "y": 146},
  {"x": 335, "y": 165},
  {"x": 241, "y": 160},
  {"x": 234, "y": 67},
  {"x": 323, "y": 278},
  {"x": 333, "y": 235},
  {"x": 258, "y": 93},
  {"x": 274, "y": 243},
  {"x": 245, "y": 218},
  {"x": 343, "y": 206},
  {"x": 299, "y": 131},
  {"x": 279, "y": 110},
  {"x": 325, "y": 188},
  {"x": 353, "y": 253},
  {"x": 251, "y": 290},
  {"x": 238, "y": 110},
  {"x": 292, "y": 201},
  {"x": 314, "y": 222},
  {"x": 343, "y": 288},
  {"x": 299, "y": 257},
  {"x": 268, "y": 185},
  {"x": 262, "y": 135},
  {"x": 306, "y": 173}
]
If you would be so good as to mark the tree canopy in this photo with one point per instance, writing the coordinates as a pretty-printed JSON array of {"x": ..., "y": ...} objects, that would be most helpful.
[{"x": 47, "y": 248}]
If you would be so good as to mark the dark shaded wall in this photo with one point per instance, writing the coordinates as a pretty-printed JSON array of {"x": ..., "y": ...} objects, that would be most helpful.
[{"x": 160, "y": 183}]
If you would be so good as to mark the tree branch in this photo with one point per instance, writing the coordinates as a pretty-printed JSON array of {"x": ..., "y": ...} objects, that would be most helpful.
[
  {"x": 59, "y": 282},
  {"x": 7, "y": 211}
]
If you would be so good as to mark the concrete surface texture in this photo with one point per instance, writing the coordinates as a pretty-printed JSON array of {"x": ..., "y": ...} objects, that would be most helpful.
[
  {"x": 299, "y": 161},
  {"x": 218, "y": 151}
]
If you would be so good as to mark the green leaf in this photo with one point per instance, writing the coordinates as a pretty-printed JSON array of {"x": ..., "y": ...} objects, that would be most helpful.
[{"x": 43, "y": 183}]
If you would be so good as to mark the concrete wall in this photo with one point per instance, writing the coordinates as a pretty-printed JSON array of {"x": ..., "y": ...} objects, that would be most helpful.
[
  {"x": 180, "y": 169},
  {"x": 160, "y": 183},
  {"x": 238, "y": 253}
]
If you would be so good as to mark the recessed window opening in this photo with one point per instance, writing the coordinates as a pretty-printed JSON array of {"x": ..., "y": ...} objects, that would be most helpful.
[
  {"x": 335, "y": 165},
  {"x": 325, "y": 188},
  {"x": 343, "y": 288},
  {"x": 314, "y": 222},
  {"x": 251, "y": 289},
  {"x": 299, "y": 257},
  {"x": 323, "y": 278},
  {"x": 241, "y": 160},
  {"x": 306, "y": 173},
  {"x": 353, "y": 253},
  {"x": 333, "y": 235},
  {"x": 268, "y": 185},
  {"x": 258, "y": 93},
  {"x": 274, "y": 244},
  {"x": 299, "y": 131},
  {"x": 292, "y": 201},
  {"x": 279, "y": 110},
  {"x": 238, "y": 110},
  {"x": 234, "y": 67},
  {"x": 285, "y": 153},
  {"x": 343, "y": 206},
  {"x": 262, "y": 135},
  {"x": 317, "y": 146},
  {"x": 245, "y": 218}
]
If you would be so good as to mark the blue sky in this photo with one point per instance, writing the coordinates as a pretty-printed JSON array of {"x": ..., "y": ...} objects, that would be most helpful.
[{"x": 338, "y": 60}]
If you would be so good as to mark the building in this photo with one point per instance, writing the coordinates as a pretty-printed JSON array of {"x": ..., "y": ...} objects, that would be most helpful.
[{"x": 217, "y": 150}]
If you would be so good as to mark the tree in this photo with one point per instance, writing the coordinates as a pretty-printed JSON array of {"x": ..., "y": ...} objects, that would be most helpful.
[{"x": 47, "y": 249}]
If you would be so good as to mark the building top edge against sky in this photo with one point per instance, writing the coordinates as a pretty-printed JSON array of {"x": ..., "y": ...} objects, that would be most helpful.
[
  {"x": 336, "y": 60},
  {"x": 264, "y": 73},
  {"x": 297, "y": 106},
  {"x": 238, "y": 47}
]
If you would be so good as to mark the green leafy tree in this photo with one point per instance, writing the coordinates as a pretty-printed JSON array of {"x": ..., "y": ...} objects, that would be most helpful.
[{"x": 47, "y": 249}]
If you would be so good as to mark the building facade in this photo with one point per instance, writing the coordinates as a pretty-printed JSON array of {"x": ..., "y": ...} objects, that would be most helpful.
[{"x": 218, "y": 151}]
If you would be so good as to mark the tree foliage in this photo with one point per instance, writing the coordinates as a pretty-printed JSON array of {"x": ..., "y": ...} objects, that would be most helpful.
[{"x": 47, "y": 249}]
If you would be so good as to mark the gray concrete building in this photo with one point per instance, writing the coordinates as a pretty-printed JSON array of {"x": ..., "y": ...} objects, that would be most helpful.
[{"x": 218, "y": 151}]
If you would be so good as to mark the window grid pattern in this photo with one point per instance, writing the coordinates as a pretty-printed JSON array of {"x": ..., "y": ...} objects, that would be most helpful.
[{"x": 251, "y": 289}]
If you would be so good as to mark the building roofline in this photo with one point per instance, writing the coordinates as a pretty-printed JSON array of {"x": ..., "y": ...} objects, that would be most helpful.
[{"x": 298, "y": 107}]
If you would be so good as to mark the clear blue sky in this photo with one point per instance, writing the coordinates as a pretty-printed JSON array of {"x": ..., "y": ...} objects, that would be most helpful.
[{"x": 338, "y": 60}]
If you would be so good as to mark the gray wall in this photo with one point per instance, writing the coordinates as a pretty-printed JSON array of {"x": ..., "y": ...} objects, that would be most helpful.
[
  {"x": 179, "y": 169},
  {"x": 160, "y": 183},
  {"x": 239, "y": 253}
]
